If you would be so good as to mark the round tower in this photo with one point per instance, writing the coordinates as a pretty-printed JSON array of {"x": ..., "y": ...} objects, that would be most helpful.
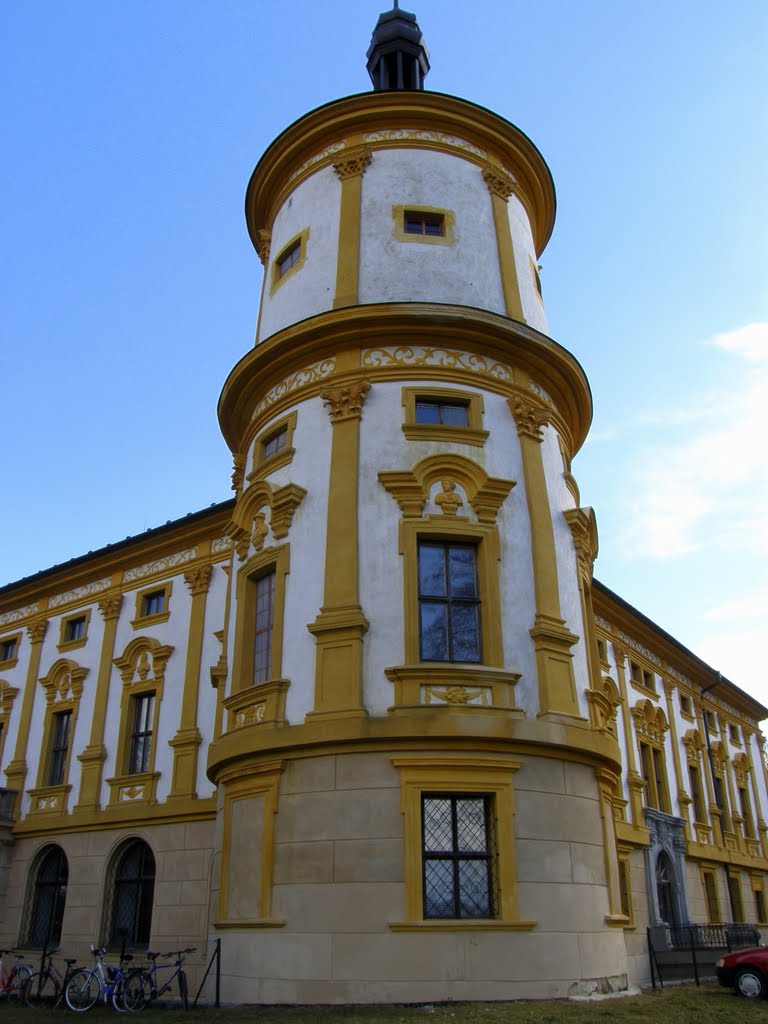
[{"x": 415, "y": 759}]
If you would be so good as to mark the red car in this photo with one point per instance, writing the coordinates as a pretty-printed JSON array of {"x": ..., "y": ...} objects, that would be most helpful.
[{"x": 745, "y": 970}]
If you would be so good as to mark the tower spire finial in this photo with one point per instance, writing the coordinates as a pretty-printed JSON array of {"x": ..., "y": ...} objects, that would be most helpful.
[{"x": 397, "y": 56}]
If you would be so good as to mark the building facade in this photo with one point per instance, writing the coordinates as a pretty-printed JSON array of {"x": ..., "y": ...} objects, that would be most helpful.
[{"x": 373, "y": 722}]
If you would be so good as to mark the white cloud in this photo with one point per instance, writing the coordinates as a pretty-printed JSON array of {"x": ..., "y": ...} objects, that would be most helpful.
[
  {"x": 706, "y": 482},
  {"x": 753, "y": 605}
]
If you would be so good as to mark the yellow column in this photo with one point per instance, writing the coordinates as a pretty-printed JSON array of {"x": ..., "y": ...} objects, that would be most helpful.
[
  {"x": 760, "y": 822},
  {"x": 186, "y": 742},
  {"x": 95, "y": 754},
  {"x": 340, "y": 627},
  {"x": 16, "y": 772},
  {"x": 350, "y": 167},
  {"x": 584, "y": 531},
  {"x": 552, "y": 641},
  {"x": 501, "y": 186},
  {"x": 715, "y": 813}
]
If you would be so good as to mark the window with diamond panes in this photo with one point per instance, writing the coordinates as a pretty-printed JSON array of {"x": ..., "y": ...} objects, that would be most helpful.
[
  {"x": 48, "y": 899},
  {"x": 129, "y": 913},
  {"x": 458, "y": 856},
  {"x": 449, "y": 602},
  {"x": 263, "y": 626}
]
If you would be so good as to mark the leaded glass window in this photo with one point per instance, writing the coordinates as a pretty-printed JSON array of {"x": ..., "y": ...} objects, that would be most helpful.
[
  {"x": 130, "y": 915},
  {"x": 48, "y": 899},
  {"x": 458, "y": 856},
  {"x": 449, "y": 602}
]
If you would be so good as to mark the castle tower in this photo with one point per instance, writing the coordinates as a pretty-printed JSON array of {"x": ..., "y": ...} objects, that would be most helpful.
[{"x": 416, "y": 763}]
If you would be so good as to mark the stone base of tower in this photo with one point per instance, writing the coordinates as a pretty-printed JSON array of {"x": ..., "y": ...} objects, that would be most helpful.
[{"x": 343, "y": 919}]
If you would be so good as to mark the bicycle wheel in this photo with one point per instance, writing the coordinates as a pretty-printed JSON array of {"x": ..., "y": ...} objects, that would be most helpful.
[
  {"x": 18, "y": 983},
  {"x": 83, "y": 990},
  {"x": 134, "y": 993},
  {"x": 183, "y": 992},
  {"x": 42, "y": 990}
]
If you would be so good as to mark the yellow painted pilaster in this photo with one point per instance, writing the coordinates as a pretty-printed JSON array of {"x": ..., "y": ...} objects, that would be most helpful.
[
  {"x": 552, "y": 640},
  {"x": 263, "y": 249},
  {"x": 584, "y": 531},
  {"x": 729, "y": 782},
  {"x": 683, "y": 798},
  {"x": 760, "y": 822},
  {"x": 16, "y": 772},
  {"x": 608, "y": 784},
  {"x": 350, "y": 167},
  {"x": 634, "y": 779},
  {"x": 341, "y": 624},
  {"x": 501, "y": 186},
  {"x": 95, "y": 754},
  {"x": 186, "y": 742},
  {"x": 714, "y": 810}
]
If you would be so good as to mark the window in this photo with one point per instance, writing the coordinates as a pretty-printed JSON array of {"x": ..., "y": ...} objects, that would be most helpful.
[
  {"x": 602, "y": 652},
  {"x": 290, "y": 259},
  {"x": 685, "y": 704},
  {"x": 153, "y": 605},
  {"x": 275, "y": 443},
  {"x": 721, "y": 800},
  {"x": 449, "y": 603},
  {"x": 75, "y": 628},
  {"x": 458, "y": 856},
  {"x": 47, "y": 899},
  {"x": 420, "y": 223},
  {"x": 625, "y": 887},
  {"x": 642, "y": 677},
  {"x": 458, "y": 833},
  {"x": 711, "y": 895},
  {"x": 265, "y": 620},
  {"x": 9, "y": 651},
  {"x": 733, "y": 733},
  {"x": 443, "y": 414},
  {"x": 699, "y": 810},
  {"x": 746, "y": 812},
  {"x": 57, "y": 765},
  {"x": 654, "y": 777},
  {"x": 141, "y": 735},
  {"x": 709, "y": 719},
  {"x": 423, "y": 224},
  {"x": 454, "y": 414},
  {"x": 129, "y": 919},
  {"x": 665, "y": 890},
  {"x": 759, "y": 896},
  {"x": 734, "y": 896}
]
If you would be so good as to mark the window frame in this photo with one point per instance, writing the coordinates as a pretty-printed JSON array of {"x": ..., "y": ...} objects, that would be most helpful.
[
  {"x": 142, "y": 618},
  {"x": 642, "y": 678},
  {"x": 452, "y": 603},
  {"x": 10, "y": 638},
  {"x": 486, "y": 541},
  {"x": 458, "y": 775},
  {"x": 65, "y": 642},
  {"x": 454, "y": 856},
  {"x": 112, "y": 940},
  {"x": 60, "y": 747},
  {"x": 473, "y": 434},
  {"x": 735, "y": 895},
  {"x": 32, "y": 902},
  {"x": 264, "y": 464},
  {"x": 448, "y": 217},
  {"x": 711, "y": 895},
  {"x": 297, "y": 242},
  {"x": 654, "y": 775},
  {"x": 140, "y": 733}
]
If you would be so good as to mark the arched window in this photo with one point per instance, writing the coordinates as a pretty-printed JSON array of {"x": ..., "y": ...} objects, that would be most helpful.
[
  {"x": 665, "y": 881},
  {"x": 47, "y": 898},
  {"x": 129, "y": 919}
]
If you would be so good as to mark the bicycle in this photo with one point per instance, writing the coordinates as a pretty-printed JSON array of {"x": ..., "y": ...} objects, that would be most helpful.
[
  {"x": 88, "y": 984},
  {"x": 142, "y": 986},
  {"x": 47, "y": 986},
  {"x": 14, "y": 982}
]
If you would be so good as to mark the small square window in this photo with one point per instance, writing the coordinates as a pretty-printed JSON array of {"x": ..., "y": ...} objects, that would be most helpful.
[
  {"x": 443, "y": 414},
  {"x": 275, "y": 442},
  {"x": 602, "y": 651},
  {"x": 289, "y": 259},
  {"x": 451, "y": 414},
  {"x": 273, "y": 448},
  {"x": 430, "y": 224},
  {"x": 154, "y": 603},
  {"x": 8, "y": 649},
  {"x": 75, "y": 628},
  {"x": 685, "y": 704},
  {"x": 733, "y": 733}
]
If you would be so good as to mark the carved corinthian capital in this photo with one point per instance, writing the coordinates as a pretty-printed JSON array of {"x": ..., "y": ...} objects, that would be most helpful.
[
  {"x": 529, "y": 416},
  {"x": 352, "y": 162},
  {"x": 263, "y": 244},
  {"x": 346, "y": 402},
  {"x": 110, "y": 606},
  {"x": 499, "y": 182},
  {"x": 198, "y": 580},
  {"x": 36, "y": 631}
]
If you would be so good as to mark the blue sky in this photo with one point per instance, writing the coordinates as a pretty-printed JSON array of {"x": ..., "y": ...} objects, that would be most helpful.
[{"x": 128, "y": 286}]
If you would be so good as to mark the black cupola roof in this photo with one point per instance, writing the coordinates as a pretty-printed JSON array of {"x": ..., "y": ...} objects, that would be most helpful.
[{"x": 397, "y": 56}]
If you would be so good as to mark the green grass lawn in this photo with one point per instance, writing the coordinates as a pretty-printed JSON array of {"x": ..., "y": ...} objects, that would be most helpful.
[{"x": 679, "y": 1005}]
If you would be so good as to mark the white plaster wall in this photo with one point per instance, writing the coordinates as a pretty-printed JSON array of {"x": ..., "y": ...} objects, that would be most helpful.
[
  {"x": 465, "y": 273},
  {"x": 314, "y": 204},
  {"x": 525, "y": 252},
  {"x": 567, "y": 567}
]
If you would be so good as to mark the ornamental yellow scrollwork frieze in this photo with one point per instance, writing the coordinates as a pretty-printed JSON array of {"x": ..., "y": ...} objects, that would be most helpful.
[
  {"x": 303, "y": 378},
  {"x": 160, "y": 565},
  {"x": 352, "y": 162},
  {"x": 7, "y": 618},
  {"x": 80, "y": 593},
  {"x": 346, "y": 402}
]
